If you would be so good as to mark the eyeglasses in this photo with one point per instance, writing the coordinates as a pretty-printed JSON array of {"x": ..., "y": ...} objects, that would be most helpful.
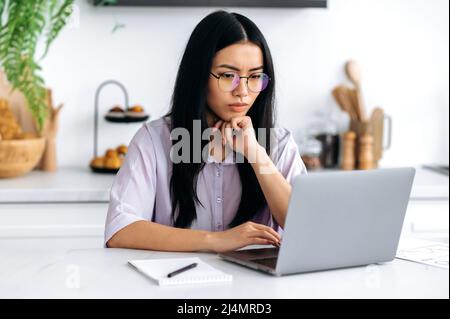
[{"x": 229, "y": 81}]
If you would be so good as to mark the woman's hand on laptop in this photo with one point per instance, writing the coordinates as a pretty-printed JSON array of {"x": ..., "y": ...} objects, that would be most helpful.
[{"x": 243, "y": 235}]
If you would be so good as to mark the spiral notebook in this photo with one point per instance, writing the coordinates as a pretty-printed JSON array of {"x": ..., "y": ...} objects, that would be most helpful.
[{"x": 158, "y": 269}]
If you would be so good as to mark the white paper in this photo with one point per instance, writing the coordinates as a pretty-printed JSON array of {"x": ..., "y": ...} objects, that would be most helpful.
[
  {"x": 425, "y": 252},
  {"x": 157, "y": 269}
]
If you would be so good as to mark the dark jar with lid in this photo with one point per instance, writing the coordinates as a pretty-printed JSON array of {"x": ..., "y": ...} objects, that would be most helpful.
[{"x": 330, "y": 149}]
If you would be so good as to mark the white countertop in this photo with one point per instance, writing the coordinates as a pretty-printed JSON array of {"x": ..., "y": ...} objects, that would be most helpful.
[
  {"x": 80, "y": 184},
  {"x": 68, "y": 184},
  {"x": 30, "y": 269},
  {"x": 430, "y": 185}
]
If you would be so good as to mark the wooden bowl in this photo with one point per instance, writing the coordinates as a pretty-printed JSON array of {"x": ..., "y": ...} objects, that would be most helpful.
[{"x": 18, "y": 157}]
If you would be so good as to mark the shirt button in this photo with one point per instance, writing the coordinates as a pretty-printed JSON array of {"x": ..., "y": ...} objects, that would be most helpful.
[
  {"x": 219, "y": 200},
  {"x": 218, "y": 173}
]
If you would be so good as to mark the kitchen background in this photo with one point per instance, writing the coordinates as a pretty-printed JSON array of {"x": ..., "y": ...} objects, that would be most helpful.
[
  {"x": 52, "y": 223},
  {"x": 402, "y": 47}
]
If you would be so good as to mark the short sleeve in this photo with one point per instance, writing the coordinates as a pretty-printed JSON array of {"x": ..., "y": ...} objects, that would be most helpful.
[
  {"x": 132, "y": 195},
  {"x": 290, "y": 164},
  {"x": 286, "y": 157}
]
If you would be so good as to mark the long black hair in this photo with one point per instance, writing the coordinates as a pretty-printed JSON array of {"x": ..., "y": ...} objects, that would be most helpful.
[{"x": 189, "y": 102}]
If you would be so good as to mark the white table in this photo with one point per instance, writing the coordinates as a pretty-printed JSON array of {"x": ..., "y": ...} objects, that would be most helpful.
[
  {"x": 29, "y": 269},
  {"x": 45, "y": 247}
]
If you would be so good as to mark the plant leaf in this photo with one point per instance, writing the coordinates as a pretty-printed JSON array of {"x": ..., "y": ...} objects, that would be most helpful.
[{"x": 22, "y": 23}]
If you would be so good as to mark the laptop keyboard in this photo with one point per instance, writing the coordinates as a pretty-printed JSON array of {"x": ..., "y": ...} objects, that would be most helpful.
[
  {"x": 269, "y": 262},
  {"x": 260, "y": 253}
]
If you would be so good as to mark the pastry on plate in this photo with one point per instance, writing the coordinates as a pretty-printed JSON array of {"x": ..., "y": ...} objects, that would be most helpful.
[
  {"x": 116, "y": 111},
  {"x": 111, "y": 153},
  {"x": 136, "y": 111},
  {"x": 113, "y": 162},
  {"x": 98, "y": 162},
  {"x": 122, "y": 150}
]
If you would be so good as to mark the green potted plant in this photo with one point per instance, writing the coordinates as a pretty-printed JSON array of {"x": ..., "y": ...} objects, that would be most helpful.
[{"x": 22, "y": 24}]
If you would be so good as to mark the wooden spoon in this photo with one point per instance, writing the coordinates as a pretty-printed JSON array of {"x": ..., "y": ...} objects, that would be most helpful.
[
  {"x": 353, "y": 72},
  {"x": 342, "y": 96},
  {"x": 354, "y": 98}
]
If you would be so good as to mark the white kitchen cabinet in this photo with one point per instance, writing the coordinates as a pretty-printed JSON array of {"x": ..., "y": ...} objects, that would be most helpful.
[
  {"x": 65, "y": 209},
  {"x": 72, "y": 204},
  {"x": 427, "y": 219},
  {"x": 427, "y": 216}
]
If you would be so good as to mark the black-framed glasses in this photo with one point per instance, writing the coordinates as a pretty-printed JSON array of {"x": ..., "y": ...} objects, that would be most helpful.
[{"x": 229, "y": 81}]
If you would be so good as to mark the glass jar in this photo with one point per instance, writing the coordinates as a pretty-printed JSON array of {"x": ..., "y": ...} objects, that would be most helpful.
[{"x": 310, "y": 151}]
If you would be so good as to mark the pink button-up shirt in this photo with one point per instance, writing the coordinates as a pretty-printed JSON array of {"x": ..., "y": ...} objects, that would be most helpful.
[{"x": 141, "y": 188}]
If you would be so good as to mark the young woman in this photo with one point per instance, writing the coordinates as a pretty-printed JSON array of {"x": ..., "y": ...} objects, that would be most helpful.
[{"x": 216, "y": 203}]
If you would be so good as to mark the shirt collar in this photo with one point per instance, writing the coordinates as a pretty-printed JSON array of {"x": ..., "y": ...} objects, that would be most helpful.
[{"x": 229, "y": 159}]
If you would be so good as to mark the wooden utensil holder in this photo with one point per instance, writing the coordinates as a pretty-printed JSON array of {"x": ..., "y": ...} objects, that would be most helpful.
[{"x": 364, "y": 144}]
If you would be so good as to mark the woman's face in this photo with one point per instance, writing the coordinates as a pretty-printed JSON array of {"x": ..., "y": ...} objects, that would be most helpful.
[{"x": 244, "y": 58}]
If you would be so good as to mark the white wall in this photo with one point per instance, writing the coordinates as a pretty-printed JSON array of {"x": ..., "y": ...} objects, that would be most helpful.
[{"x": 402, "y": 46}]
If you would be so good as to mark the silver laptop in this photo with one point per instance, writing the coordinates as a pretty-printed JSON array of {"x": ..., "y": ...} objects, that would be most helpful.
[{"x": 335, "y": 220}]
